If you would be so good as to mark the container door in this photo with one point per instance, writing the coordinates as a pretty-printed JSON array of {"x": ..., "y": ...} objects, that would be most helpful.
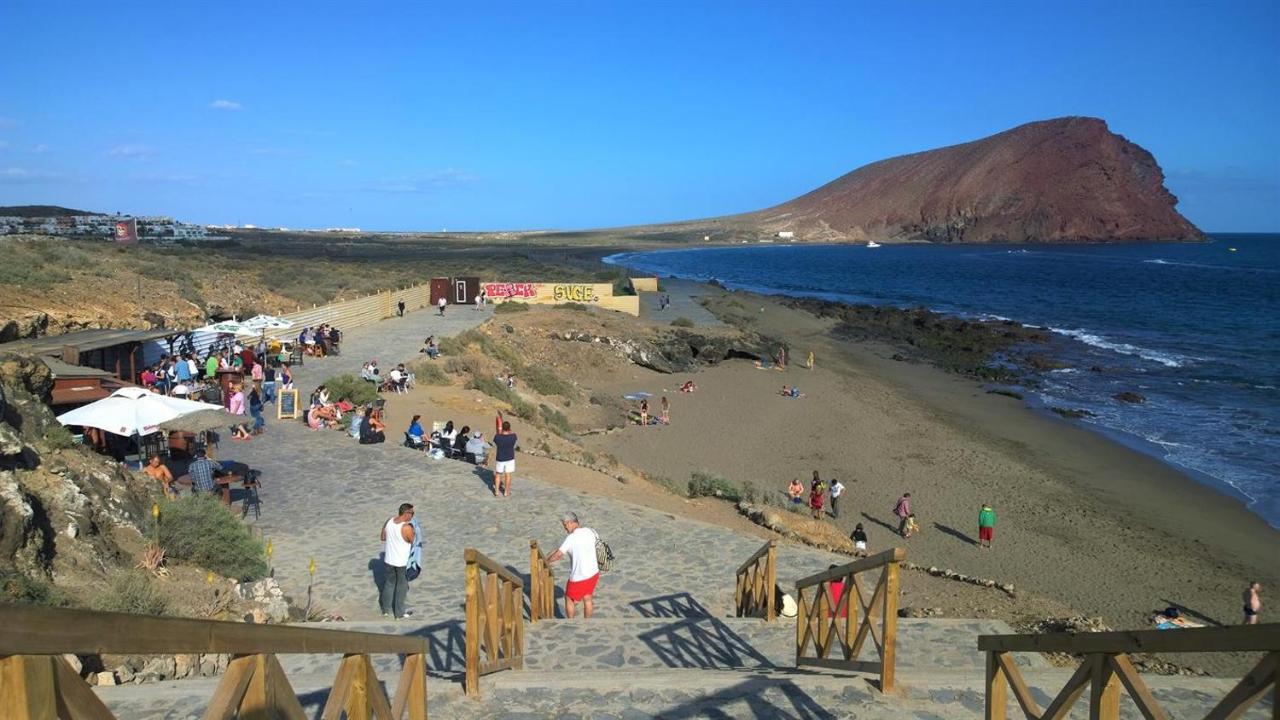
[{"x": 439, "y": 289}]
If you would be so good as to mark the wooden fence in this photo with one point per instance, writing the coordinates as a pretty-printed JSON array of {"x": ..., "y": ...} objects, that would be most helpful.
[
  {"x": 36, "y": 682},
  {"x": 755, "y": 588},
  {"x": 827, "y": 614},
  {"x": 1106, "y": 668},
  {"x": 542, "y": 586},
  {"x": 495, "y": 619}
]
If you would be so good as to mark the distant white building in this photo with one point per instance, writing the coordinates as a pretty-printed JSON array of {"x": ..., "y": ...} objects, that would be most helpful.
[{"x": 786, "y": 235}]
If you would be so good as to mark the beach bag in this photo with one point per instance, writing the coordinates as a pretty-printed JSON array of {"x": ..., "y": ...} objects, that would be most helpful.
[{"x": 604, "y": 554}]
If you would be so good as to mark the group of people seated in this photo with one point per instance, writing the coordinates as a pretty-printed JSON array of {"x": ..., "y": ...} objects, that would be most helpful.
[
  {"x": 448, "y": 442},
  {"x": 399, "y": 380},
  {"x": 320, "y": 340},
  {"x": 367, "y": 427},
  {"x": 323, "y": 412}
]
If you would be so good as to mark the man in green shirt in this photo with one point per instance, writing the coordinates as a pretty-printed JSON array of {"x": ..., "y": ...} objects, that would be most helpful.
[
  {"x": 211, "y": 366},
  {"x": 986, "y": 526}
]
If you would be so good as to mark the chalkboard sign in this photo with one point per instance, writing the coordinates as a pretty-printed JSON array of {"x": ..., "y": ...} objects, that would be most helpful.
[{"x": 287, "y": 405}]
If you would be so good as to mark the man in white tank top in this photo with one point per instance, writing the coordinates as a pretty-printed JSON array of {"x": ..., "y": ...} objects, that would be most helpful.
[{"x": 397, "y": 540}]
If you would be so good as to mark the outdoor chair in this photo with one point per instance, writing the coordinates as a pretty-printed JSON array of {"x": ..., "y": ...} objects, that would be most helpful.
[
  {"x": 252, "y": 483},
  {"x": 412, "y": 443}
]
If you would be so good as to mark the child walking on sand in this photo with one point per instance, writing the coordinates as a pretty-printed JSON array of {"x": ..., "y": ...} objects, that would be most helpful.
[
  {"x": 666, "y": 411},
  {"x": 644, "y": 413}
]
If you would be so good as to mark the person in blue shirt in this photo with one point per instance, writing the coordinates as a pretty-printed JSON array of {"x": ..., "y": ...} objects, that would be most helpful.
[{"x": 415, "y": 429}]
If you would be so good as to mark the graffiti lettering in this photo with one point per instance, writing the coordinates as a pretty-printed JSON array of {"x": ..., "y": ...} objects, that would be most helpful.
[
  {"x": 510, "y": 290},
  {"x": 574, "y": 293}
]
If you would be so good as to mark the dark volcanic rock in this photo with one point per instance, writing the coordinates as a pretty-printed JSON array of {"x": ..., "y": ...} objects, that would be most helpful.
[
  {"x": 1130, "y": 397},
  {"x": 1064, "y": 180}
]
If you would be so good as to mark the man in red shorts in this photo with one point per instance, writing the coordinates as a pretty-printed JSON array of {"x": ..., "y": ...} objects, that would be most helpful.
[{"x": 584, "y": 572}]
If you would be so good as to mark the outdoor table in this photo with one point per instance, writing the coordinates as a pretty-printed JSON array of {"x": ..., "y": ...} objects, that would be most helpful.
[{"x": 223, "y": 481}]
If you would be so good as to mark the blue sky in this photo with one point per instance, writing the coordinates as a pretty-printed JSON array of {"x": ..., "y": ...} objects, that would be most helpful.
[{"x": 488, "y": 115}]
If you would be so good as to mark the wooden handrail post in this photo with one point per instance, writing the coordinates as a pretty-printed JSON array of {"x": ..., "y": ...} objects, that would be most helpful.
[
  {"x": 472, "y": 669},
  {"x": 771, "y": 582},
  {"x": 997, "y": 689},
  {"x": 889, "y": 629},
  {"x": 1104, "y": 690},
  {"x": 828, "y": 622}
]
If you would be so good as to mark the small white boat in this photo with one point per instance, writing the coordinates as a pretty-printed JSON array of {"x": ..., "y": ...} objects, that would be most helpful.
[{"x": 873, "y": 244}]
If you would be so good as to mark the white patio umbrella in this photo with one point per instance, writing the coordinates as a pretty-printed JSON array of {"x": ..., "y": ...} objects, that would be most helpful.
[
  {"x": 228, "y": 327},
  {"x": 132, "y": 411},
  {"x": 263, "y": 323}
]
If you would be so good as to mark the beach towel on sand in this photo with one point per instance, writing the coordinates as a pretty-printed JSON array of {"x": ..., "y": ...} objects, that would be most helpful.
[{"x": 637, "y": 396}]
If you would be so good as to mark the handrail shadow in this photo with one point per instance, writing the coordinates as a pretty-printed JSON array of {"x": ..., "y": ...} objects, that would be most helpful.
[
  {"x": 675, "y": 605},
  {"x": 704, "y": 643}
]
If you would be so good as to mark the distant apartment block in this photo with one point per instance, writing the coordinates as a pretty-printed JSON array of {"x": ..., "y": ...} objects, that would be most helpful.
[{"x": 150, "y": 227}]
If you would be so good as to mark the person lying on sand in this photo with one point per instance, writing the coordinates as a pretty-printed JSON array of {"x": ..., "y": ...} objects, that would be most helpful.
[
  {"x": 688, "y": 387},
  {"x": 790, "y": 391}
]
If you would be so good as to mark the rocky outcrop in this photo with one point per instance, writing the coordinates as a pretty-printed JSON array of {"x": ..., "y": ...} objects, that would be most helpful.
[
  {"x": 678, "y": 351},
  {"x": 1063, "y": 180},
  {"x": 59, "y": 505}
]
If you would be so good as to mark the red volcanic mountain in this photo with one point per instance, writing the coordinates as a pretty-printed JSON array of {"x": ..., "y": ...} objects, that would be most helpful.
[{"x": 1064, "y": 180}]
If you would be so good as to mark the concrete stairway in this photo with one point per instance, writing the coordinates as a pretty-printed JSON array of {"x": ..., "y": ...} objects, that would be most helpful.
[{"x": 683, "y": 667}]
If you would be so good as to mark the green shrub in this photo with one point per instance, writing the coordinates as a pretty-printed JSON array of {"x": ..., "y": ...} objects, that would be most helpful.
[
  {"x": 555, "y": 420},
  {"x": 351, "y": 387},
  {"x": 18, "y": 588},
  {"x": 429, "y": 372},
  {"x": 509, "y": 306},
  {"x": 133, "y": 592},
  {"x": 545, "y": 382},
  {"x": 198, "y": 529},
  {"x": 701, "y": 484},
  {"x": 682, "y": 322}
]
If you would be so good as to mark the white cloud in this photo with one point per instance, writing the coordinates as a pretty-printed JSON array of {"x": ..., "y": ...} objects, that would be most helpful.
[
  {"x": 39, "y": 149},
  {"x": 131, "y": 151},
  {"x": 19, "y": 176},
  {"x": 225, "y": 105},
  {"x": 161, "y": 178}
]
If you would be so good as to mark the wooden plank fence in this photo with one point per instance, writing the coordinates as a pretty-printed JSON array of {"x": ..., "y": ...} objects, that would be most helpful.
[
  {"x": 1106, "y": 669},
  {"x": 826, "y": 617},
  {"x": 495, "y": 619},
  {"x": 755, "y": 587},
  {"x": 36, "y": 682},
  {"x": 542, "y": 586}
]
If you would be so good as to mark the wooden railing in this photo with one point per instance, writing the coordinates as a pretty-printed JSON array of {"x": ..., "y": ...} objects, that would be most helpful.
[
  {"x": 1106, "y": 668},
  {"x": 542, "y": 586},
  {"x": 827, "y": 622},
  {"x": 755, "y": 588},
  {"x": 495, "y": 619},
  {"x": 36, "y": 682}
]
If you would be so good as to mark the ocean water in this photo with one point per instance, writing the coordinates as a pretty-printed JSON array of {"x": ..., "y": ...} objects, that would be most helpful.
[{"x": 1195, "y": 328}]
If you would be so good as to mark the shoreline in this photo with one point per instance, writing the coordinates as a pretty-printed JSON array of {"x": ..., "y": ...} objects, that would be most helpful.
[{"x": 1130, "y": 440}]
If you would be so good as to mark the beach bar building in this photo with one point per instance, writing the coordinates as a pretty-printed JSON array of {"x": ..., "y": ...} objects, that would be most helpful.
[{"x": 116, "y": 351}]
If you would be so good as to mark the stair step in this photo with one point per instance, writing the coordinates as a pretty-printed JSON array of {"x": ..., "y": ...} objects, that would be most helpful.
[
  {"x": 686, "y": 693},
  {"x": 722, "y": 643}
]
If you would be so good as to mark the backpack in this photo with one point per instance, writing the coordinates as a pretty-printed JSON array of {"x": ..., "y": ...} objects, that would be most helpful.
[{"x": 604, "y": 554}]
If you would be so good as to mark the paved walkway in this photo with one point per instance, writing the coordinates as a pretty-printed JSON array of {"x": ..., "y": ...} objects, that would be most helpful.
[{"x": 684, "y": 303}]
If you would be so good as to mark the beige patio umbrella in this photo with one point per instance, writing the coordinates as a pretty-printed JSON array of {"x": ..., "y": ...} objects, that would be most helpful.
[{"x": 202, "y": 421}]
